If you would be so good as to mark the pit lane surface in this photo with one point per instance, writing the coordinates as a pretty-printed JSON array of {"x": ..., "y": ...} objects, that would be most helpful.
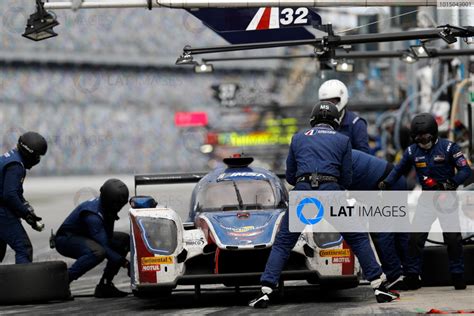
[{"x": 54, "y": 198}]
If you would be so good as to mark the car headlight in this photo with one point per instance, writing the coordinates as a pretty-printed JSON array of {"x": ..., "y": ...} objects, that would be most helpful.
[
  {"x": 160, "y": 235},
  {"x": 327, "y": 240}
]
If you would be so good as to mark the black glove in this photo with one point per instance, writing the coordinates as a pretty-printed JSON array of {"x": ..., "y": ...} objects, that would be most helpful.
[
  {"x": 383, "y": 185},
  {"x": 32, "y": 219},
  {"x": 126, "y": 265},
  {"x": 450, "y": 185}
]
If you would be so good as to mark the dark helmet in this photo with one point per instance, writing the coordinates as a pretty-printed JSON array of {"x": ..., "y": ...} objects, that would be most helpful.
[
  {"x": 325, "y": 112},
  {"x": 32, "y": 146},
  {"x": 113, "y": 196},
  {"x": 422, "y": 124}
]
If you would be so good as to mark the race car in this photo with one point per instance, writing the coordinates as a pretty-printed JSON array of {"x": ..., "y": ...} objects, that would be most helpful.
[{"x": 234, "y": 216}]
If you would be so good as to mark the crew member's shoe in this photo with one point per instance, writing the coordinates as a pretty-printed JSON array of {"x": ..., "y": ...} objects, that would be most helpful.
[
  {"x": 459, "y": 281},
  {"x": 108, "y": 290},
  {"x": 398, "y": 285},
  {"x": 412, "y": 281},
  {"x": 262, "y": 299},
  {"x": 382, "y": 294}
]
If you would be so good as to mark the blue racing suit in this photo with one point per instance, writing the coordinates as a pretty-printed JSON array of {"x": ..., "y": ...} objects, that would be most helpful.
[
  {"x": 12, "y": 208},
  {"x": 88, "y": 235},
  {"x": 326, "y": 152},
  {"x": 438, "y": 163},
  {"x": 392, "y": 248},
  {"x": 355, "y": 128}
]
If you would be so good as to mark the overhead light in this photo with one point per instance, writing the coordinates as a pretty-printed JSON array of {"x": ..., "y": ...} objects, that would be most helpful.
[
  {"x": 40, "y": 24},
  {"x": 409, "y": 58},
  {"x": 207, "y": 149},
  {"x": 448, "y": 36},
  {"x": 203, "y": 68},
  {"x": 420, "y": 51},
  {"x": 344, "y": 66},
  {"x": 185, "y": 59}
]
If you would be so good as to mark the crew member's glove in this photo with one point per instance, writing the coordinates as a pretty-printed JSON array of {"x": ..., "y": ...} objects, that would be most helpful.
[
  {"x": 383, "y": 185},
  {"x": 450, "y": 185},
  {"x": 126, "y": 265},
  {"x": 32, "y": 219}
]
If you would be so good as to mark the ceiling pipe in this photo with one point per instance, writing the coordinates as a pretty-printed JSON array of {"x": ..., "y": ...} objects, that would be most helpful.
[{"x": 189, "y": 4}]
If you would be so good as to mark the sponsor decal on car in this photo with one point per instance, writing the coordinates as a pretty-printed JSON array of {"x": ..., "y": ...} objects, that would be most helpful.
[
  {"x": 341, "y": 260},
  {"x": 151, "y": 268},
  {"x": 255, "y": 175},
  {"x": 335, "y": 253},
  {"x": 149, "y": 261},
  {"x": 245, "y": 234},
  {"x": 194, "y": 242}
]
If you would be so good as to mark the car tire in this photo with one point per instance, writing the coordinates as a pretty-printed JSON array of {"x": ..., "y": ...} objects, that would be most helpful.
[
  {"x": 34, "y": 282},
  {"x": 436, "y": 267}
]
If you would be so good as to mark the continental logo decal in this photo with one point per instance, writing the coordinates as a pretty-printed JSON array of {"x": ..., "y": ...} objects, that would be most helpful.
[
  {"x": 151, "y": 261},
  {"x": 335, "y": 253},
  {"x": 421, "y": 165}
]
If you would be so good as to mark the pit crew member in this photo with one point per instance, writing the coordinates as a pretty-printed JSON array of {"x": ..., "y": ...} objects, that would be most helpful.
[
  {"x": 13, "y": 206},
  {"x": 88, "y": 235},
  {"x": 351, "y": 125},
  {"x": 392, "y": 248},
  {"x": 324, "y": 156},
  {"x": 435, "y": 160}
]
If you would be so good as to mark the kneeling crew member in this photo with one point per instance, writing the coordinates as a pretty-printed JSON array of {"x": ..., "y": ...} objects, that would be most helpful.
[
  {"x": 435, "y": 160},
  {"x": 13, "y": 206},
  {"x": 88, "y": 235},
  {"x": 329, "y": 153}
]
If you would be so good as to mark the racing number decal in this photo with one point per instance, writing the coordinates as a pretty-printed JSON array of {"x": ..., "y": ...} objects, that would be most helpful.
[
  {"x": 290, "y": 16},
  {"x": 272, "y": 18}
]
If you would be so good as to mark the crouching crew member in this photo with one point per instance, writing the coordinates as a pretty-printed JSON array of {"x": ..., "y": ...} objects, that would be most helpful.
[
  {"x": 88, "y": 235},
  {"x": 323, "y": 153},
  {"x": 13, "y": 206},
  {"x": 392, "y": 248},
  {"x": 435, "y": 160}
]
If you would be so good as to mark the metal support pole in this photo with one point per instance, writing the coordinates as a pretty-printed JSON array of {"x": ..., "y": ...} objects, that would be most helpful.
[{"x": 471, "y": 131}]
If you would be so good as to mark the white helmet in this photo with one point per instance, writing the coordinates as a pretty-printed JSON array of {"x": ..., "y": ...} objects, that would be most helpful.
[{"x": 336, "y": 92}]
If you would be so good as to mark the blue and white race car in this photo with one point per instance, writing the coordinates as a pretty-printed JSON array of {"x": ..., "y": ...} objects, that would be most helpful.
[{"x": 234, "y": 216}]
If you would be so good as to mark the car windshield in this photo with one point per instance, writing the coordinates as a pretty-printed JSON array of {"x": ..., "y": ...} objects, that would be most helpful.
[{"x": 232, "y": 195}]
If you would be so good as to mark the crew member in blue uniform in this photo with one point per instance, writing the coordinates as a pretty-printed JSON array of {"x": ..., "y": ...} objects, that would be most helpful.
[
  {"x": 320, "y": 159},
  {"x": 88, "y": 235},
  {"x": 392, "y": 248},
  {"x": 13, "y": 206},
  {"x": 351, "y": 125},
  {"x": 435, "y": 160}
]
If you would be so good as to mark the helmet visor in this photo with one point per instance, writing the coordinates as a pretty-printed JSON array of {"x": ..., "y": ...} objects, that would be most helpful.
[
  {"x": 423, "y": 139},
  {"x": 332, "y": 100}
]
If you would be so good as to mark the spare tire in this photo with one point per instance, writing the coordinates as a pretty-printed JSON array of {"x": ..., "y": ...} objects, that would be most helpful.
[{"x": 34, "y": 282}]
